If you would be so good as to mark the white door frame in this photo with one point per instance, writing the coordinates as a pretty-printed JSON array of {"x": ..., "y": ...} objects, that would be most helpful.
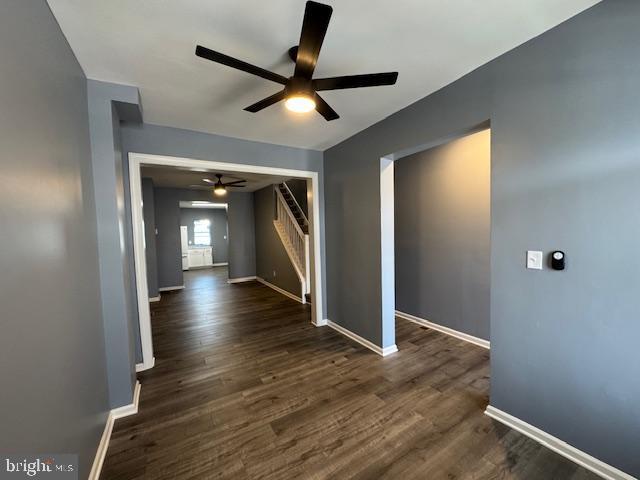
[{"x": 136, "y": 160}]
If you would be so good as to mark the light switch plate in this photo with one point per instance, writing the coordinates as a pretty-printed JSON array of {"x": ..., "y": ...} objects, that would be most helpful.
[{"x": 534, "y": 260}]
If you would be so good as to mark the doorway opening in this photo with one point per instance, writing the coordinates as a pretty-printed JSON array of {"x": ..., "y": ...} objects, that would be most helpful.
[
  {"x": 265, "y": 228},
  {"x": 204, "y": 234},
  {"x": 436, "y": 224}
]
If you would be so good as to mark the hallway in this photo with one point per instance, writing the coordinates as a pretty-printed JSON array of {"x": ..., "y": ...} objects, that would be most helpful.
[{"x": 245, "y": 387}]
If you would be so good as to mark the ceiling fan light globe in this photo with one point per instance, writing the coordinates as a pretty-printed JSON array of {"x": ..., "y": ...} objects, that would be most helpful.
[
  {"x": 220, "y": 191},
  {"x": 300, "y": 104}
]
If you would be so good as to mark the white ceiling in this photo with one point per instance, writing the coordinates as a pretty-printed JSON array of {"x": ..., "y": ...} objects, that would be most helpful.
[
  {"x": 151, "y": 43},
  {"x": 176, "y": 177}
]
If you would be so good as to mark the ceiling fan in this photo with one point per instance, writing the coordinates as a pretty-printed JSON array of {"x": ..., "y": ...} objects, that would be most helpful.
[
  {"x": 220, "y": 188},
  {"x": 300, "y": 90}
]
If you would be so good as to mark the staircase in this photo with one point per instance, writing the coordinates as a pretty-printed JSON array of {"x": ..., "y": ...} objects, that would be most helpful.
[
  {"x": 295, "y": 208},
  {"x": 292, "y": 226}
]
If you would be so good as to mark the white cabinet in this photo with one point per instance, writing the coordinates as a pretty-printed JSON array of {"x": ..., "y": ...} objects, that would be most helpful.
[
  {"x": 196, "y": 257},
  {"x": 200, "y": 257}
]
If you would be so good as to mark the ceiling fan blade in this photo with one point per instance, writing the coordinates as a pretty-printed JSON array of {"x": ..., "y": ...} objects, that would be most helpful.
[
  {"x": 207, "y": 180},
  {"x": 235, "y": 186},
  {"x": 355, "y": 81},
  {"x": 239, "y": 64},
  {"x": 266, "y": 102},
  {"x": 324, "y": 109},
  {"x": 235, "y": 182},
  {"x": 314, "y": 28}
]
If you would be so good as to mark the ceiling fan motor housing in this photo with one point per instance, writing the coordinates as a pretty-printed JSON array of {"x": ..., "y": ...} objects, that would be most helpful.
[
  {"x": 299, "y": 86},
  {"x": 293, "y": 53}
]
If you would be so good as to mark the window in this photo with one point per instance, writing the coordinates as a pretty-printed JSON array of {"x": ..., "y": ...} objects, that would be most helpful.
[{"x": 202, "y": 232}]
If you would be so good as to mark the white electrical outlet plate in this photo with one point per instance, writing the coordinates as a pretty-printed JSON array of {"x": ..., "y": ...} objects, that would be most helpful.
[{"x": 534, "y": 260}]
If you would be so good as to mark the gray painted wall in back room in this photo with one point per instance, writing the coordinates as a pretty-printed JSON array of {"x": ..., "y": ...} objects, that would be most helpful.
[
  {"x": 242, "y": 239},
  {"x": 52, "y": 360},
  {"x": 168, "y": 251},
  {"x": 148, "y": 211},
  {"x": 270, "y": 253},
  {"x": 219, "y": 230},
  {"x": 565, "y": 175},
  {"x": 442, "y": 231}
]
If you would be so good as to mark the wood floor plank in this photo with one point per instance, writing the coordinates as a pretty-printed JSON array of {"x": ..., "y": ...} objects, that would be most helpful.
[{"x": 245, "y": 387}]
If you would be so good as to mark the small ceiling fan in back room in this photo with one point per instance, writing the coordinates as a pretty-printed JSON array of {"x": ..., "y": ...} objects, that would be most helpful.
[
  {"x": 220, "y": 188},
  {"x": 300, "y": 91}
]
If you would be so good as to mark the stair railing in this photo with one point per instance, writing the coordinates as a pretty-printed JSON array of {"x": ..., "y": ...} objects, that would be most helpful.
[
  {"x": 304, "y": 216},
  {"x": 298, "y": 248}
]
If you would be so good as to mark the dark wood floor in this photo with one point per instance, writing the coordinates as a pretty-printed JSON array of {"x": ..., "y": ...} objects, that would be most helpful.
[{"x": 245, "y": 387}]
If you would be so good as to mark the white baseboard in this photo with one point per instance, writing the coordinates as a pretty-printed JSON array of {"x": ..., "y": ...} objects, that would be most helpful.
[
  {"x": 241, "y": 279},
  {"x": 563, "y": 448},
  {"x": 168, "y": 289},
  {"x": 98, "y": 460},
  {"x": 280, "y": 290},
  {"x": 449, "y": 331},
  {"x": 204, "y": 267},
  {"x": 321, "y": 323},
  {"x": 363, "y": 341},
  {"x": 114, "y": 414},
  {"x": 130, "y": 409},
  {"x": 155, "y": 299},
  {"x": 141, "y": 367}
]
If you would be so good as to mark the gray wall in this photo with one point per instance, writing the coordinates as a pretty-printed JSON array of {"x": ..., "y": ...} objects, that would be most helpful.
[
  {"x": 241, "y": 245},
  {"x": 242, "y": 241},
  {"x": 159, "y": 140},
  {"x": 442, "y": 233},
  {"x": 219, "y": 231},
  {"x": 148, "y": 211},
  {"x": 52, "y": 360},
  {"x": 270, "y": 253},
  {"x": 168, "y": 251},
  {"x": 565, "y": 174}
]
